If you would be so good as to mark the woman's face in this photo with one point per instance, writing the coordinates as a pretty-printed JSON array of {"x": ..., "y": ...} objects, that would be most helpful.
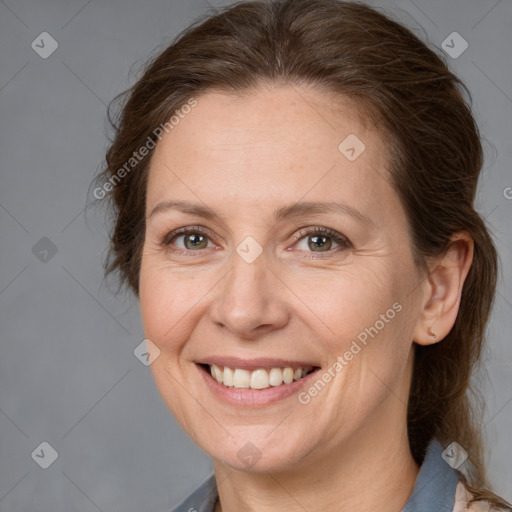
[{"x": 297, "y": 257}]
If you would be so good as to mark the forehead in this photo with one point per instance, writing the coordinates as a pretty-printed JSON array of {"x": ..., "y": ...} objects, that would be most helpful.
[{"x": 273, "y": 144}]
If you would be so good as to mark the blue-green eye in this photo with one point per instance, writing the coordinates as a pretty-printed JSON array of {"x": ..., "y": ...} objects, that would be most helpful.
[
  {"x": 321, "y": 240},
  {"x": 193, "y": 241},
  {"x": 318, "y": 240},
  {"x": 193, "y": 238}
]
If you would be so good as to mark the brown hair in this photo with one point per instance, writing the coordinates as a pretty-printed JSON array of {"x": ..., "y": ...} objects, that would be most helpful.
[{"x": 348, "y": 49}]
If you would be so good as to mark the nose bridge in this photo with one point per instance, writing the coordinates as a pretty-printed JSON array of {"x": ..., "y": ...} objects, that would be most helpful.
[{"x": 249, "y": 301}]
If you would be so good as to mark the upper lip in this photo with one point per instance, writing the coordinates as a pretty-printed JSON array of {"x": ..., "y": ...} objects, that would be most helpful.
[{"x": 254, "y": 364}]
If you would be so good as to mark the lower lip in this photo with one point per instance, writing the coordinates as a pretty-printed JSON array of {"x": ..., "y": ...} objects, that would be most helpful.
[{"x": 253, "y": 397}]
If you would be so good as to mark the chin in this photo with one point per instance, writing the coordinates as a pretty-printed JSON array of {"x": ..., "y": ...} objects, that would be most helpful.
[{"x": 257, "y": 452}]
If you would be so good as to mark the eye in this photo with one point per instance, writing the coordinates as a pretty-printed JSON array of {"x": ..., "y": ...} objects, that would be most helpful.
[
  {"x": 188, "y": 239},
  {"x": 193, "y": 239},
  {"x": 321, "y": 240}
]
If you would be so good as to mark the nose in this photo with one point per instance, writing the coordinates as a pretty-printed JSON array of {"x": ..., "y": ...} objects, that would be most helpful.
[{"x": 251, "y": 300}]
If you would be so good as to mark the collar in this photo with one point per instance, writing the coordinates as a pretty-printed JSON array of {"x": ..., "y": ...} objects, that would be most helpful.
[{"x": 435, "y": 484}]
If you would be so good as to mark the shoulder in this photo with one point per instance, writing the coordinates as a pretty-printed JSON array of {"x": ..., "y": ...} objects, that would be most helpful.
[{"x": 462, "y": 497}]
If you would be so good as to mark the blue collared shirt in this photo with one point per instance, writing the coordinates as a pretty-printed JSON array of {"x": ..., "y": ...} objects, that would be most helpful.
[{"x": 434, "y": 489}]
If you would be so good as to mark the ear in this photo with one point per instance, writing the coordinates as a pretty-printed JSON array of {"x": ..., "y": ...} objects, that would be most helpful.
[{"x": 443, "y": 290}]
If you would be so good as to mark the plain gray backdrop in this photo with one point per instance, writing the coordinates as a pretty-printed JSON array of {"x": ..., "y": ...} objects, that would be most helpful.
[{"x": 68, "y": 373}]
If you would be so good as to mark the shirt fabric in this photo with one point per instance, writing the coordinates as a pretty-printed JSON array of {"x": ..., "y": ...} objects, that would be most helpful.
[{"x": 438, "y": 488}]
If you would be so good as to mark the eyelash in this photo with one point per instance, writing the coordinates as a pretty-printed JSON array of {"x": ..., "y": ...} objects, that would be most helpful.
[{"x": 336, "y": 237}]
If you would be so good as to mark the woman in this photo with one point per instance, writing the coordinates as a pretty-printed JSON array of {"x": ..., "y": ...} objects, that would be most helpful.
[{"x": 293, "y": 188}]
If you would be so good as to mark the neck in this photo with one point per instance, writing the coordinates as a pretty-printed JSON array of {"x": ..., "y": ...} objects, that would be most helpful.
[{"x": 372, "y": 470}]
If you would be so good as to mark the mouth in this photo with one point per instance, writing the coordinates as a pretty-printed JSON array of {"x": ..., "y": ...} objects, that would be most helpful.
[
  {"x": 259, "y": 375},
  {"x": 257, "y": 379}
]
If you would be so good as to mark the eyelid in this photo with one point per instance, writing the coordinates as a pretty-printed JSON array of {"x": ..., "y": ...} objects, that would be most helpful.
[
  {"x": 315, "y": 230},
  {"x": 168, "y": 237},
  {"x": 298, "y": 235}
]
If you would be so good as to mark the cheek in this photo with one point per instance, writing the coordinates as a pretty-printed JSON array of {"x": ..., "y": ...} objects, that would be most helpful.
[
  {"x": 345, "y": 304},
  {"x": 169, "y": 304}
]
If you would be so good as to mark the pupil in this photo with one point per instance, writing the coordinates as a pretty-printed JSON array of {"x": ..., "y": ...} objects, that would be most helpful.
[
  {"x": 315, "y": 243},
  {"x": 195, "y": 240}
]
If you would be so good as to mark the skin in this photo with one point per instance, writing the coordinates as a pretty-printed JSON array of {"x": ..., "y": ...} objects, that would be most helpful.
[{"x": 245, "y": 157}]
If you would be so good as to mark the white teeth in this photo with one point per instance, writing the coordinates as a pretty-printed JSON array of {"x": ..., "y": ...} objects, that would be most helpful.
[
  {"x": 227, "y": 379},
  {"x": 288, "y": 375},
  {"x": 276, "y": 377},
  {"x": 241, "y": 378},
  {"x": 217, "y": 373},
  {"x": 257, "y": 379}
]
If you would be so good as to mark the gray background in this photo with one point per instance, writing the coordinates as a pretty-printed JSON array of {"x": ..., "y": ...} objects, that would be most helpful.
[{"x": 68, "y": 375}]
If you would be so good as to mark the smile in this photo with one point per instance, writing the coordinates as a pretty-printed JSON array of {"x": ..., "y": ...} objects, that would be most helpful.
[
  {"x": 261, "y": 378},
  {"x": 255, "y": 382}
]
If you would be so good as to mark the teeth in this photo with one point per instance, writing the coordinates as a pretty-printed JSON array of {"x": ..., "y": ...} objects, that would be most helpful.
[
  {"x": 276, "y": 377},
  {"x": 288, "y": 375},
  {"x": 226, "y": 376},
  {"x": 241, "y": 379},
  {"x": 217, "y": 374},
  {"x": 257, "y": 379}
]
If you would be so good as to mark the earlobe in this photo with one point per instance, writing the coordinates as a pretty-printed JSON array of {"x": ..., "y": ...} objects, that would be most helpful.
[{"x": 443, "y": 290}]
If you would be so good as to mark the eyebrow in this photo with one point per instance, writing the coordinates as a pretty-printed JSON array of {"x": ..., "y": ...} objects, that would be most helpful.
[{"x": 286, "y": 212}]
